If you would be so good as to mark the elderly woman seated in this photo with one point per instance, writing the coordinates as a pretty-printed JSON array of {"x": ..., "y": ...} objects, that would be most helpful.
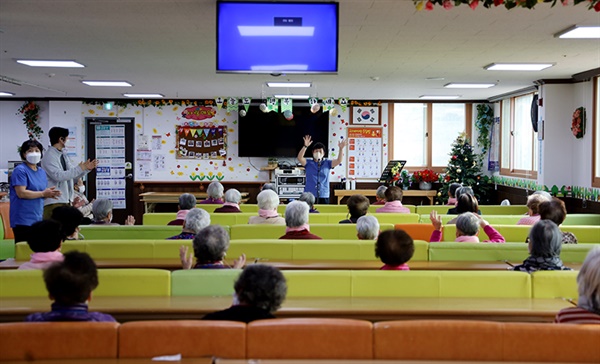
[
  {"x": 588, "y": 304},
  {"x": 358, "y": 205},
  {"x": 380, "y": 195},
  {"x": 233, "y": 198},
  {"x": 393, "y": 198},
  {"x": 267, "y": 209},
  {"x": 367, "y": 227},
  {"x": 309, "y": 198},
  {"x": 215, "y": 194},
  {"x": 464, "y": 190},
  {"x": 555, "y": 211},
  {"x": 533, "y": 203},
  {"x": 269, "y": 186},
  {"x": 187, "y": 201},
  {"x": 394, "y": 248},
  {"x": 196, "y": 220},
  {"x": 259, "y": 292},
  {"x": 465, "y": 203},
  {"x": 467, "y": 228},
  {"x": 210, "y": 248},
  {"x": 103, "y": 214},
  {"x": 544, "y": 248},
  {"x": 296, "y": 220}
]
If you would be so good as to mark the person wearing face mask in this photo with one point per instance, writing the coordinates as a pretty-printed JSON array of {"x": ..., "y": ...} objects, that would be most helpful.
[
  {"x": 318, "y": 169},
  {"x": 86, "y": 205},
  {"x": 28, "y": 189},
  {"x": 61, "y": 172}
]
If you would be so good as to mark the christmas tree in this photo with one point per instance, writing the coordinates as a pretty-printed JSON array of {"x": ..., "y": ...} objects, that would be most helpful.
[{"x": 464, "y": 167}]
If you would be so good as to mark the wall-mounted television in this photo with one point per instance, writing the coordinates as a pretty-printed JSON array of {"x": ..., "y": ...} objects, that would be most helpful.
[
  {"x": 277, "y": 37},
  {"x": 271, "y": 135}
]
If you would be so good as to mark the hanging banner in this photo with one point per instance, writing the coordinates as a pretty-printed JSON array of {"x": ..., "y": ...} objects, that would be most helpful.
[
  {"x": 313, "y": 101},
  {"x": 494, "y": 153},
  {"x": 232, "y": 104},
  {"x": 328, "y": 104},
  {"x": 286, "y": 104},
  {"x": 273, "y": 104},
  {"x": 246, "y": 102},
  {"x": 219, "y": 101},
  {"x": 343, "y": 101}
]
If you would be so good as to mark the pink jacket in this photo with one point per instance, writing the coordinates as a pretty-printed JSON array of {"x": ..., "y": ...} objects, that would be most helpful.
[
  {"x": 495, "y": 236},
  {"x": 42, "y": 260},
  {"x": 529, "y": 220},
  {"x": 395, "y": 267},
  {"x": 394, "y": 206}
]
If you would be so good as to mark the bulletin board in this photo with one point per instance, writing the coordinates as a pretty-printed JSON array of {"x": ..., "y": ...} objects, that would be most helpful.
[
  {"x": 365, "y": 151},
  {"x": 201, "y": 143}
]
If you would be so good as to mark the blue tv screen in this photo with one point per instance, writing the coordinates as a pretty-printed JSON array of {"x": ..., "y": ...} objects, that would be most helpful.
[{"x": 277, "y": 37}]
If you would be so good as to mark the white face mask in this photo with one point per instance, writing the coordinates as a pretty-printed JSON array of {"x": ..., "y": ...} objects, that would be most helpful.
[
  {"x": 81, "y": 189},
  {"x": 33, "y": 157},
  {"x": 317, "y": 156}
]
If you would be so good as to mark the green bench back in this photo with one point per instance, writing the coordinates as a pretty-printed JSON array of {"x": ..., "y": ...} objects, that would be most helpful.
[
  {"x": 516, "y": 233},
  {"x": 325, "y": 231},
  {"x": 485, "y": 209},
  {"x": 573, "y": 219},
  {"x": 555, "y": 284}
]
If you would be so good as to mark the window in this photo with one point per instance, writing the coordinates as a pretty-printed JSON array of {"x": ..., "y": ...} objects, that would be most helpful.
[
  {"x": 596, "y": 133},
  {"x": 413, "y": 123},
  {"x": 519, "y": 142}
]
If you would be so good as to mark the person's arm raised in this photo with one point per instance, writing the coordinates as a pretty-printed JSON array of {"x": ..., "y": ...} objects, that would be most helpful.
[
  {"x": 307, "y": 143},
  {"x": 341, "y": 145}
]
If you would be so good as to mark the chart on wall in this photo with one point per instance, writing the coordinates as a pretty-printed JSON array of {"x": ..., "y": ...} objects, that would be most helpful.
[
  {"x": 201, "y": 143},
  {"x": 110, "y": 173},
  {"x": 364, "y": 152}
]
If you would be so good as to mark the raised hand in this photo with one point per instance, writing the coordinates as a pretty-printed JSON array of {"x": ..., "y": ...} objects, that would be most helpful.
[
  {"x": 130, "y": 220},
  {"x": 239, "y": 262},
  {"x": 342, "y": 144},
  {"x": 78, "y": 202},
  {"x": 436, "y": 220},
  {"x": 89, "y": 164},
  {"x": 307, "y": 141},
  {"x": 186, "y": 260}
]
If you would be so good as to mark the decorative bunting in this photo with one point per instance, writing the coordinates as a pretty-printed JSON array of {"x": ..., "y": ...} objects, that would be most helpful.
[
  {"x": 219, "y": 101},
  {"x": 246, "y": 102},
  {"x": 343, "y": 101},
  {"x": 286, "y": 104},
  {"x": 273, "y": 104},
  {"x": 328, "y": 104},
  {"x": 232, "y": 104},
  {"x": 312, "y": 101}
]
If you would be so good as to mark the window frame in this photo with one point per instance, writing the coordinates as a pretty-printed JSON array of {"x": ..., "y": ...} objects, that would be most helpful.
[{"x": 595, "y": 131}]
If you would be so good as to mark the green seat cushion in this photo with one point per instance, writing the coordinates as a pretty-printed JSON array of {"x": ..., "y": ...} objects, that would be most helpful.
[
  {"x": 257, "y": 249},
  {"x": 485, "y": 209},
  {"x": 7, "y": 248},
  {"x": 133, "y": 282},
  {"x": 582, "y": 219},
  {"x": 123, "y": 232},
  {"x": 312, "y": 283},
  {"x": 22, "y": 283},
  {"x": 203, "y": 282},
  {"x": 555, "y": 284}
]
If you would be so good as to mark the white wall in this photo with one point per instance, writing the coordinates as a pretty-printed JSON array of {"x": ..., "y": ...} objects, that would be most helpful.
[{"x": 67, "y": 114}]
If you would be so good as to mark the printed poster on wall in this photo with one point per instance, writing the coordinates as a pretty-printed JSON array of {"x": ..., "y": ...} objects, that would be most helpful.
[
  {"x": 110, "y": 173},
  {"x": 365, "y": 150},
  {"x": 201, "y": 143}
]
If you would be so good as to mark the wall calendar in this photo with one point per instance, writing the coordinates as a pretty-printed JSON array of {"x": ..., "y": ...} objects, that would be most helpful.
[{"x": 365, "y": 150}]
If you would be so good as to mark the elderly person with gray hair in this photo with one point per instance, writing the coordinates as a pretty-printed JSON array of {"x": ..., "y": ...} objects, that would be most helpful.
[
  {"x": 259, "y": 292},
  {"x": 588, "y": 303},
  {"x": 533, "y": 203},
  {"x": 269, "y": 186},
  {"x": 367, "y": 227},
  {"x": 380, "y": 195},
  {"x": 102, "y": 209},
  {"x": 309, "y": 198},
  {"x": 196, "y": 220},
  {"x": 210, "y": 248},
  {"x": 296, "y": 220},
  {"x": 187, "y": 201},
  {"x": 545, "y": 243},
  {"x": 233, "y": 198},
  {"x": 215, "y": 194},
  {"x": 267, "y": 209},
  {"x": 467, "y": 229}
]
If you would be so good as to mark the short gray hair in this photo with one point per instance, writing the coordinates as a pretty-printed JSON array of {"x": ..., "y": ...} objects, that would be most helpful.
[
  {"x": 187, "y": 201},
  {"x": 381, "y": 192},
  {"x": 464, "y": 190},
  {"x": 534, "y": 201},
  {"x": 545, "y": 239},
  {"x": 267, "y": 200},
  {"x": 309, "y": 198},
  {"x": 215, "y": 190},
  {"x": 269, "y": 186},
  {"x": 296, "y": 214},
  {"x": 196, "y": 220},
  {"x": 101, "y": 207},
  {"x": 367, "y": 227},
  {"x": 211, "y": 244},
  {"x": 261, "y": 286},
  {"x": 543, "y": 193},
  {"x": 233, "y": 196},
  {"x": 588, "y": 281},
  {"x": 468, "y": 223}
]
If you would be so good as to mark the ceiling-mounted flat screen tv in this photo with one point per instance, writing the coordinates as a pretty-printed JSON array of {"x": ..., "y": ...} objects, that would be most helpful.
[
  {"x": 277, "y": 37},
  {"x": 271, "y": 135}
]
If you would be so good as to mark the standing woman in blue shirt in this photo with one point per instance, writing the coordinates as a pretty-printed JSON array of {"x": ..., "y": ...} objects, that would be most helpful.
[
  {"x": 28, "y": 188},
  {"x": 318, "y": 168}
]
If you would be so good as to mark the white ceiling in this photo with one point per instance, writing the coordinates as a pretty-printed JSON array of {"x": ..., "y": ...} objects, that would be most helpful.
[{"x": 168, "y": 47}]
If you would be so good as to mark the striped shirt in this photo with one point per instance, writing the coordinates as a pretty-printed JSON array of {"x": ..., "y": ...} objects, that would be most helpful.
[{"x": 576, "y": 315}]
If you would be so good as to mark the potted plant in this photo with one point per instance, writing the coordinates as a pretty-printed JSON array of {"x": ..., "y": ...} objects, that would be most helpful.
[
  {"x": 405, "y": 179},
  {"x": 425, "y": 178}
]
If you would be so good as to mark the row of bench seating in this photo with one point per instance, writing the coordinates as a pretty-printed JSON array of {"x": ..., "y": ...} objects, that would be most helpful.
[
  {"x": 315, "y": 283},
  {"x": 331, "y": 249},
  {"x": 305, "y": 338}
]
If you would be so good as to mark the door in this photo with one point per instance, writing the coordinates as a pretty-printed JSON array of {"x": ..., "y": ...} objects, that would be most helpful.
[{"x": 110, "y": 140}]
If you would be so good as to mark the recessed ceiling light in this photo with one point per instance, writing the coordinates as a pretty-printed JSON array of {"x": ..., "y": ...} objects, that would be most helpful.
[
  {"x": 295, "y": 97},
  {"x": 108, "y": 83},
  {"x": 579, "y": 31},
  {"x": 518, "y": 66},
  {"x": 469, "y": 85},
  {"x": 6, "y": 93},
  {"x": 439, "y": 97},
  {"x": 144, "y": 95},
  {"x": 50, "y": 63},
  {"x": 289, "y": 84}
]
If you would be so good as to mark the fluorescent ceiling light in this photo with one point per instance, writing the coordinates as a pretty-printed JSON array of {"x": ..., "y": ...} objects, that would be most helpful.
[
  {"x": 279, "y": 67},
  {"x": 469, "y": 85},
  {"x": 6, "y": 93},
  {"x": 289, "y": 84},
  {"x": 50, "y": 63},
  {"x": 439, "y": 97},
  {"x": 518, "y": 66},
  {"x": 579, "y": 31},
  {"x": 272, "y": 31},
  {"x": 295, "y": 97},
  {"x": 144, "y": 95},
  {"x": 108, "y": 83}
]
